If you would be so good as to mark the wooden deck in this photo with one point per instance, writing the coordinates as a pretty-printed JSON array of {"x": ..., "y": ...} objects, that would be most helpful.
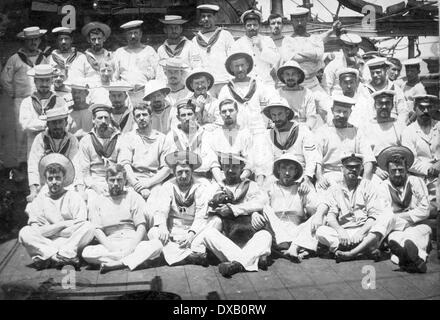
[{"x": 314, "y": 278}]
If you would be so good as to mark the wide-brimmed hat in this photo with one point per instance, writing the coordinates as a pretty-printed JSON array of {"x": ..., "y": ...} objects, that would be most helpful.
[
  {"x": 251, "y": 14},
  {"x": 41, "y": 71},
  {"x": 391, "y": 152},
  {"x": 228, "y": 158},
  {"x": 183, "y": 157},
  {"x": 134, "y": 24},
  {"x": 56, "y": 113},
  {"x": 31, "y": 33},
  {"x": 100, "y": 107},
  {"x": 196, "y": 73},
  {"x": 154, "y": 86},
  {"x": 62, "y": 30},
  {"x": 96, "y": 25},
  {"x": 63, "y": 161},
  {"x": 176, "y": 63},
  {"x": 77, "y": 84},
  {"x": 291, "y": 64},
  {"x": 288, "y": 157},
  {"x": 278, "y": 102},
  {"x": 119, "y": 85},
  {"x": 352, "y": 158},
  {"x": 238, "y": 55},
  {"x": 173, "y": 19}
]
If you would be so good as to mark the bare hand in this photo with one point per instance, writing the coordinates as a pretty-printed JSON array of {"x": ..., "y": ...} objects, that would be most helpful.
[
  {"x": 323, "y": 183},
  {"x": 383, "y": 175},
  {"x": 344, "y": 238},
  {"x": 434, "y": 171},
  {"x": 258, "y": 221},
  {"x": 305, "y": 187},
  {"x": 145, "y": 193},
  {"x": 337, "y": 25},
  {"x": 357, "y": 237},
  {"x": 164, "y": 234},
  {"x": 186, "y": 242},
  {"x": 31, "y": 196}
]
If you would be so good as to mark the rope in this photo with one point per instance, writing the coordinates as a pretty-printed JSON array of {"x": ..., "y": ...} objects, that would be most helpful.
[{"x": 326, "y": 8}]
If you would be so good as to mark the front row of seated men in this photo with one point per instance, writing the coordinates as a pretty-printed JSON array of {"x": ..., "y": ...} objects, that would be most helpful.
[{"x": 238, "y": 221}]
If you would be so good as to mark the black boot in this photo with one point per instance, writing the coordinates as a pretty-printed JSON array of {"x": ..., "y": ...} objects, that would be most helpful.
[{"x": 228, "y": 269}]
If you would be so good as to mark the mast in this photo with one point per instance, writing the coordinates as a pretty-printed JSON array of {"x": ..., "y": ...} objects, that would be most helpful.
[{"x": 277, "y": 7}]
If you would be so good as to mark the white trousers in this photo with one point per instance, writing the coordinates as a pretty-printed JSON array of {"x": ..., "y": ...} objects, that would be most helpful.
[
  {"x": 419, "y": 234},
  {"x": 66, "y": 243},
  {"x": 329, "y": 237},
  {"x": 226, "y": 250},
  {"x": 145, "y": 250}
]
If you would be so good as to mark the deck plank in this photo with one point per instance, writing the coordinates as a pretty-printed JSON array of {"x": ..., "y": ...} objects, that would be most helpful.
[
  {"x": 174, "y": 280},
  {"x": 238, "y": 287},
  {"x": 401, "y": 288},
  {"x": 203, "y": 281},
  {"x": 379, "y": 292},
  {"x": 429, "y": 283},
  {"x": 268, "y": 285},
  {"x": 111, "y": 284},
  {"x": 140, "y": 279},
  {"x": 339, "y": 291}
]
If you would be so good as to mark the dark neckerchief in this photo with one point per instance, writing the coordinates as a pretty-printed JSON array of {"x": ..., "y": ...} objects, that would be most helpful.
[
  {"x": 23, "y": 56},
  {"x": 121, "y": 125},
  {"x": 38, "y": 107},
  {"x": 192, "y": 144},
  {"x": 93, "y": 61},
  {"x": 177, "y": 51},
  {"x": 188, "y": 199},
  {"x": 395, "y": 197},
  {"x": 208, "y": 45},
  {"x": 248, "y": 96},
  {"x": 293, "y": 136},
  {"x": 50, "y": 147},
  {"x": 104, "y": 151}
]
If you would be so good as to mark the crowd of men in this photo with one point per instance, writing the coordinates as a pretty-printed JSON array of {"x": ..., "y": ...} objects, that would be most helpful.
[{"x": 215, "y": 148}]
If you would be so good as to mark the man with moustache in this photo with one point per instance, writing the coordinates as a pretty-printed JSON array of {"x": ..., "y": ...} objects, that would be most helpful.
[
  {"x": 412, "y": 86},
  {"x": 57, "y": 228},
  {"x": 80, "y": 122},
  {"x": 408, "y": 197},
  {"x": 143, "y": 154},
  {"x": 175, "y": 71},
  {"x": 357, "y": 219},
  {"x": 54, "y": 139},
  {"x": 214, "y": 44},
  {"x": 87, "y": 66},
  {"x": 379, "y": 81},
  {"x": 121, "y": 223},
  {"x": 122, "y": 117},
  {"x": 338, "y": 138},
  {"x": 261, "y": 48},
  {"x": 42, "y": 100},
  {"x": 97, "y": 151},
  {"x": 64, "y": 55},
  {"x": 163, "y": 115},
  {"x": 276, "y": 28},
  {"x": 16, "y": 82}
]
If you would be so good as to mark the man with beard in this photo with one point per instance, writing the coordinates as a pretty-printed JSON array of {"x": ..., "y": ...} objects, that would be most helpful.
[
  {"x": 350, "y": 58},
  {"x": 163, "y": 115},
  {"x": 80, "y": 122},
  {"x": 87, "y": 66},
  {"x": 42, "y": 100},
  {"x": 176, "y": 45},
  {"x": 122, "y": 116},
  {"x": 143, "y": 154},
  {"x": 189, "y": 135},
  {"x": 276, "y": 28},
  {"x": 394, "y": 69},
  {"x": 358, "y": 218},
  {"x": 300, "y": 99},
  {"x": 412, "y": 86},
  {"x": 423, "y": 138},
  {"x": 379, "y": 81},
  {"x": 57, "y": 227},
  {"x": 54, "y": 139},
  {"x": 363, "y": 111},
  {"x": 65, "y": 55},
  {"x": 200, "y": 83},
  {"x": 290, "y": 136},
  {"x": 135, "y": 63},
  {"x": 383, "y": 131},
  {"x": 408, "y": 197},
  {"x": 338, "y": 138},
  {"x": 214, "y": 44},
  {"x": 97, "y": 151},
  {"x": 180, "y": 211},
  {"x": 175, "y": 72},
  {"x": 16, "y": 82},
  {"x": 292, "y": 216},
  {"x": 121, "y": 223},
  {"x": 261, "y": 48},
  {"x": 249, "y": 200}
]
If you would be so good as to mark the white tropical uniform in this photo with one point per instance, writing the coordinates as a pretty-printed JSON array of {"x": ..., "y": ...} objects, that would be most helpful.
[
  {"x": 86, "y": 67},
  {"x": 304, "y": 147},
  {"x": 302, "y": 102},
  {"x": 258, "y": 246},
  {"x": 93, "y": 162},
  {"x": 196, "y": 143},
  {"x": 352, "y": 209},
  {"x": 214, "y": 49},
  {"x": 290, "y": 214},
  {"x": 426, "y": 150},
  {"x": 64, "y": 60},
  {"x": 411, "y": 200},
  {"x": 334, "y": 142},
  {"x": 264, "y": 60},
  {"x": 181, "y": 212},
  {"x": 18, "y": 85},
  {"x": 165, "y": 120},
  {"x": 185, "y": 49},
  {"x": 363, "y": 110},
  {"x": 45, "y": 144},
  {"x": 174, "y": 96},
  {"x": 31, "y": 108},
  {"x": 332, "y": 85},
  {"x": 45, "y": 211},
  {"x": 401, "y": 109},
  {"x": 80, "y": 122},
  {"x": 124, "y": 121},
  {"x": 137, "y": 67},
  {"x": 210, "y": 112},
  {"x": 411, "y": 91},
  {"x": 118, "y": 217}
]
